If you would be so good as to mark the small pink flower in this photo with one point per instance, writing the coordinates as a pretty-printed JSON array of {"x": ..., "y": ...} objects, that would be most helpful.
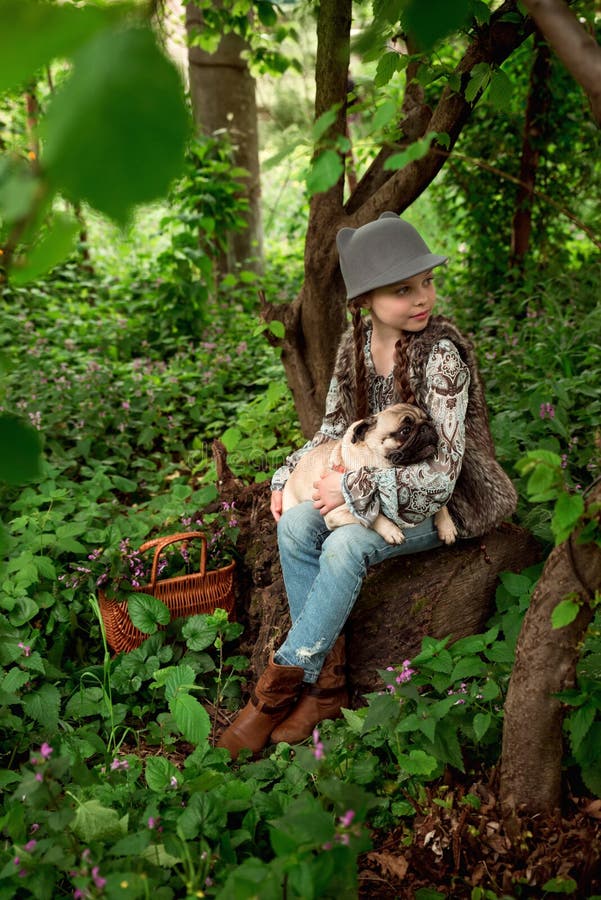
[
  {"x": 347, "y": 818},
  {"x": 152, "y": 822},
  {"x": 30, "y": 845},
  {"x": 97, "y": 878},
  {"x": 46, "y": 750},
  {"x": 318, "y": 749},
  {"x": 39, "y": 776},
  {"x": 25, "y": 648}
]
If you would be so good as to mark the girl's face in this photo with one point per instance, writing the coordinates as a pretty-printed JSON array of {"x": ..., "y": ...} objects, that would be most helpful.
[{"x": 404, "y": 306}]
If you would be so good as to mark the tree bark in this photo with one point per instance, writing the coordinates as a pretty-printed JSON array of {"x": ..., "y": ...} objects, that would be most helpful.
[
  {"x": 545, "y": 663},
  {"x": 578, "y": 50},
  {"x": 222, "y": 92},
  {"x": 539, "y": 98},
  {"x": 314, "y": 321},
  {"x": 447, "y": 591}
]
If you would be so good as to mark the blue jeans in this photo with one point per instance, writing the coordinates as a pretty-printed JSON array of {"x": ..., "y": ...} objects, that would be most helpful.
[{"x": 323, "y": 573}]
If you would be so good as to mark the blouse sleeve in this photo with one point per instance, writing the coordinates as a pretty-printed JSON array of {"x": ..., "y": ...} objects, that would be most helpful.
[
  {"x": 332, "y": 428},
  {"x": 410, "y": 494}
]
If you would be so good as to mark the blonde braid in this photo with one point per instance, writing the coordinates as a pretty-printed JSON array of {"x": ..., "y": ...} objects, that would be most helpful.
[
  {"x": 400, "y": 372},
  {"x": 361, "y": 379}
]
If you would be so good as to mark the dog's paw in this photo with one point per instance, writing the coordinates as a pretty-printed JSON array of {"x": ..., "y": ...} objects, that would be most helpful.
[
  {"x": 447, "y": 535},
  {"x": 447, "y": 532},
  {"x": 391, "y": 533}
]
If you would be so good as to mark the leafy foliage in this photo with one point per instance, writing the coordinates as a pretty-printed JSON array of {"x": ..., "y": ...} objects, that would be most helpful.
[{"x": 116, "y": 383}]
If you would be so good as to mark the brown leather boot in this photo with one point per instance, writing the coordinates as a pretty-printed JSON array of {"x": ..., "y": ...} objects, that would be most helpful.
[
  {"x": 272, "y": 699},
  {"x": 322, "y": 700}
]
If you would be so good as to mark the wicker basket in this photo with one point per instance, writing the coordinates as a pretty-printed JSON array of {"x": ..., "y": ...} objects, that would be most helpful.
[{"x": 185, "y": 595}]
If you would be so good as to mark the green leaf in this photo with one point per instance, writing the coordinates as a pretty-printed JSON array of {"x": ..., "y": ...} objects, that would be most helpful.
[
  {"x": 231, "y": 438},
  {"x": 34, "y": 33},
  {"x": 384, "y": 115},
  {"x": 542, "y": 479},
  {"x": 469, "y": 667},
  {"x": 199, "y": 632},
  {"x": 417, "y": 763},
  {"x": 568, "y": 510},
  {"x": 325, "y": 121},
  {"x": 18, "y": 189},
  {"x": 430, "y": 22},
  {"x": 159, "y": 772},
  {"x": 56, "y": 245},
  {"x": 115, "y": 132},
  {"x": 277, "y": 328},
  {"x": 266, "y": 13},
  {"x": 516, "y": 585},
  {"x": 490, "y": 691},
  {"x": 95, "y": 822},
  {"x": 414, "y": 151},
  {"x": 479, "y": 78},
  {"x": 481, "y": 724},
  {"x": 388, "y": 65},
  {"x": 191, "y": 718},
  {"x": 43, "y": 705},
  {"x": 560, "y": 886},
  {"x": 20, "y": 449},
  {"x": 177, "y": 680},
  {"x": 147, "y": 612},
  {"x": 579, "y": 724},
  {"x": 500, "y": 89},
  {"x": 324, "y": 172},
  {"x": 203, "y": 815},
  {"x": 564, "y": 613}
]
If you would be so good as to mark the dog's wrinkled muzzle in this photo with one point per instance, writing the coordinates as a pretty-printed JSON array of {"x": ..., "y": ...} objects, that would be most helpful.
[{"x": 421, "y": 444}]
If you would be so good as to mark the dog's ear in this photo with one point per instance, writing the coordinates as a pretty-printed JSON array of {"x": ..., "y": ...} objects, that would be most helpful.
[{"x": 361, "y": 429}]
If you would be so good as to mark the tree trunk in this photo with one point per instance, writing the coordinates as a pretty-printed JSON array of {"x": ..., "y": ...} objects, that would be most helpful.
[
  {"x": 539, "y": 99},
  {"x": 545, "y": 664},
  {"x": 314, "y": 321},
  {"x": 447, "y": 591},
  {"x": 222, "y": 91}
]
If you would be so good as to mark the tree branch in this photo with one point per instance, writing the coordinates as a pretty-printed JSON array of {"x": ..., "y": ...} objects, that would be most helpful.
[
  {"x": 578, "y": 51},
  {"x": 492, "y": 44}
]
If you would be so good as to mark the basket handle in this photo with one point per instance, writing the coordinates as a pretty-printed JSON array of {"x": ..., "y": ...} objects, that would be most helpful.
[{"x": 162, "y": 542}]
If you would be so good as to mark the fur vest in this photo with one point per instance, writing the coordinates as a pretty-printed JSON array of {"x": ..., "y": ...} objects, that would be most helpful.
[{"x": 484, "y": 495}]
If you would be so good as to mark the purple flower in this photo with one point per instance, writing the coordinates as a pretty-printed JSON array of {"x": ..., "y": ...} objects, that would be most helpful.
[
  {"x": 25, "y": 648},
  {"x": 152, "y": 822},
  {"x": 318, "y": 751},
  {"x": 98, "y": 880},
  {"x": 30, "y": 845},
  {"x": 119, "y": 764},
  {"x": 46, "y": 750},
  {"x": 547, "y": 409},
  {"x": 347, "y": 818}
]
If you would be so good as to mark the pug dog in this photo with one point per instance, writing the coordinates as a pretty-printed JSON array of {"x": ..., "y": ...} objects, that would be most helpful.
[{"x": 397, "y": 436}]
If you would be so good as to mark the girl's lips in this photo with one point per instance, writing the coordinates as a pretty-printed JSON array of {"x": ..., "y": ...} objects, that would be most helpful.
[{"x": 421, "y": 315}]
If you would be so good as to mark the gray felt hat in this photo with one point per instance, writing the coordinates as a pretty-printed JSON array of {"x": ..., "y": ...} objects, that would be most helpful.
[{"x": 382, "y": 252}]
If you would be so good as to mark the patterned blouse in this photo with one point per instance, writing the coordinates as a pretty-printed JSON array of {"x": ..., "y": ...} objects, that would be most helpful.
[{"x": 407, "y": 494}]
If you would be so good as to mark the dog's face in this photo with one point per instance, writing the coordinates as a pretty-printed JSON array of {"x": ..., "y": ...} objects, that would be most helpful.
[{"x": 402, "y": 433}]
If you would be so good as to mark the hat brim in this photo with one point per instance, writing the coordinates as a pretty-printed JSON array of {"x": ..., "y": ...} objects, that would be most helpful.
[{"x": 398, "y": 272}]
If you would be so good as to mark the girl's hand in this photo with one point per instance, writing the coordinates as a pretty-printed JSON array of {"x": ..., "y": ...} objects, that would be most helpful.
[
  {"x": 326, "y": 492},
  {"x": 276, "y": 504}
]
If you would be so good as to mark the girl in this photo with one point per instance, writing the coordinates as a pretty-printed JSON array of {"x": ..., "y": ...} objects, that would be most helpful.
[{"x": 400, "y": 353}]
